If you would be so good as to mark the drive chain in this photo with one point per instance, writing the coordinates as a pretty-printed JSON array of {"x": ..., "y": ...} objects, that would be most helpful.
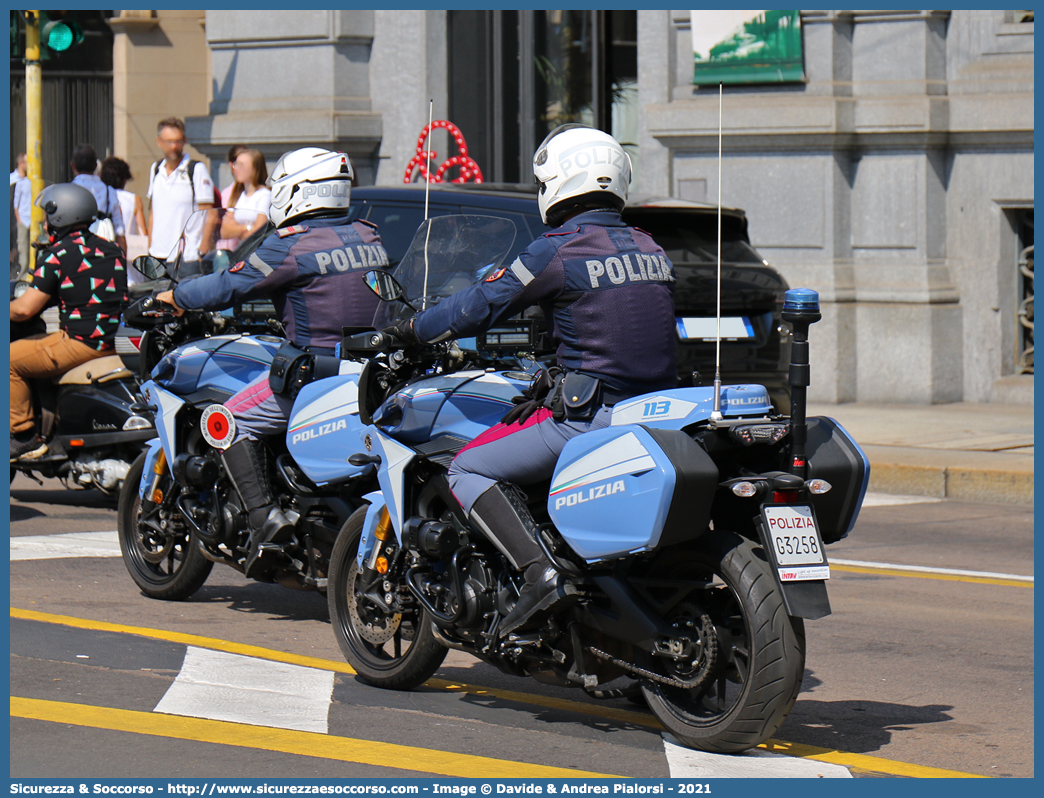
[{"x": 655, "y": 677}]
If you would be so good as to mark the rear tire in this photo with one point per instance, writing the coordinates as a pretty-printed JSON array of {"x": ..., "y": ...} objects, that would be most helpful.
[
  {"x": 393, "y": 651},
  {"x": 760, "y": 652},
  {"x": 165, "y": 566}
]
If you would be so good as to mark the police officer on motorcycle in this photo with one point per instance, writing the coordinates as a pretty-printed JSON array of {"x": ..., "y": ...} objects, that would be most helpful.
[
  {"x": 607, "y": 290},
  {"x": 311, "y": 267}
]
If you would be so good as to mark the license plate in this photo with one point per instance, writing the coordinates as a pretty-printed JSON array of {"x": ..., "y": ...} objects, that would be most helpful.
[
  {"x": 698, "y": 328},
  {"x": 796, "y": 544}
]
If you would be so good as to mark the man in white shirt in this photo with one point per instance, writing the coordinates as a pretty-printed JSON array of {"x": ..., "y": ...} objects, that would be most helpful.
[{"x": 175, "y": 194}]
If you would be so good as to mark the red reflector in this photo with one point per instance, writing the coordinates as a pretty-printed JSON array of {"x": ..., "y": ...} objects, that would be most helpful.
[
  {"x": 136, "y": 342},
  {"x": 784, "y": 496}
]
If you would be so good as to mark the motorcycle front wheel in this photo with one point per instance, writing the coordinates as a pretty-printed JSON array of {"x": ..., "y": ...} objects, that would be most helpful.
[
  {"x": 396, "y": 651},
  {"x": 758, "y": 652},
  {"x": 166, "y": 565}
]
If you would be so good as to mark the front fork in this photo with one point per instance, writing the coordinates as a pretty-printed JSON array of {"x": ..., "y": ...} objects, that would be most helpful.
[{"x": 150, "y": 492}]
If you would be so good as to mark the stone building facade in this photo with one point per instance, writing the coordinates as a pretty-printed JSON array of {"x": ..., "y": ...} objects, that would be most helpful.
[{"x": 897, "y": 181}]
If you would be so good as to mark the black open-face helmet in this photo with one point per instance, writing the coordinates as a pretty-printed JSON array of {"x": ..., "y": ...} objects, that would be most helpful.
[{"x": 68, "y": 207}]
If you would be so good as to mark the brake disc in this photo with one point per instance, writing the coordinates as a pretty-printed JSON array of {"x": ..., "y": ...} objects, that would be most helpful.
[{"x": 377, "y": 627}]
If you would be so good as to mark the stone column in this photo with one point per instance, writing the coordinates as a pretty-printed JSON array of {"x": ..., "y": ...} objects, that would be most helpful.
[{"x": 289, "y": 79}]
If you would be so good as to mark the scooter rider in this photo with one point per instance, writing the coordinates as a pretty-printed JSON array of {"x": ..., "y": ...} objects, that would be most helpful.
[
  {"x": 88, "y": 276},
  {"x": 311, "y": 267},
  {"x": 607, "y": 290}
]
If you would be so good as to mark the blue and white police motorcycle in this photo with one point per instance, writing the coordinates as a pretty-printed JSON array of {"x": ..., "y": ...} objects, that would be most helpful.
[
  {"x": 178, "y": 512},
  {"x": 692, "y": 527}
]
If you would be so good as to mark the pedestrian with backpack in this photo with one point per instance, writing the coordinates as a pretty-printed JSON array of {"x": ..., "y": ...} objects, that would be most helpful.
[{"x": 178, "y": 186}]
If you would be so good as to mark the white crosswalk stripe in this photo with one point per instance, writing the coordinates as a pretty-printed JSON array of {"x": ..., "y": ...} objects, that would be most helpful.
[
  {"x": 755, "y": 764},
  {"x": 239, "y": 689},
  {"x": 72, "y": 544},
  {"x": 895, "y": 499}
]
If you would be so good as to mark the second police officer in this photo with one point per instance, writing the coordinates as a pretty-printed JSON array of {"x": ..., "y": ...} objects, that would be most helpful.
[
  {"x": 607, "y": 291},
  {"x": 311, "y": 268}
]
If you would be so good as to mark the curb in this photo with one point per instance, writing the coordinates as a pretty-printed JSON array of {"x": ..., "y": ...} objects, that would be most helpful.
[{"x": 956, "y": 482}]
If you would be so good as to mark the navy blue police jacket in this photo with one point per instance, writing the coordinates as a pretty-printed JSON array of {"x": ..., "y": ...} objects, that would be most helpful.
[
  {"x": 606, "y": 289},
  {"x": 313, "y": 273}
]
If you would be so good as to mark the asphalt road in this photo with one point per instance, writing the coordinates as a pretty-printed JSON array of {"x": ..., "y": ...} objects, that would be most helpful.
[{"x": 914, "y": 671}]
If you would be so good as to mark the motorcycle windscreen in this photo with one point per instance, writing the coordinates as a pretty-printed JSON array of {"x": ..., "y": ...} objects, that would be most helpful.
[
  {"x": 625, "y": 489},
  {"x": 324, "y": 429}
]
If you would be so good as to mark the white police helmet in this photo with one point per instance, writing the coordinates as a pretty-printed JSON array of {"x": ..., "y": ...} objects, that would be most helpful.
[
  {"x": 308, "y": 181},
  {"x": 577, "y": 160}
]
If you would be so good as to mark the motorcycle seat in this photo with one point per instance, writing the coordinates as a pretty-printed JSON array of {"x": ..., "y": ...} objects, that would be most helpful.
[{"x": 102, "y": 369}]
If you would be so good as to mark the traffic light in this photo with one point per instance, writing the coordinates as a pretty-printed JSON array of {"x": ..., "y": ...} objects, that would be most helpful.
[{"x": 61, "y": 32}]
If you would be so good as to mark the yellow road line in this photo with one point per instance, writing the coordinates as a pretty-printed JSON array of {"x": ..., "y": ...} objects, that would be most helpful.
[
  {"x": 864, "y": 762},
  {"x": 325, "y": 746},
  {"x": 185, "y": 639},
  {"x": 981, "y": 580},
  {"x": 833, "y": 756}
]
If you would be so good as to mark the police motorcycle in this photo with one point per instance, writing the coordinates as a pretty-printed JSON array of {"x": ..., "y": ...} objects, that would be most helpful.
[
  {"x": 87, "y": 418},
  {"x": 692, "y": 528},
  {"x": 179, "y": 513}
]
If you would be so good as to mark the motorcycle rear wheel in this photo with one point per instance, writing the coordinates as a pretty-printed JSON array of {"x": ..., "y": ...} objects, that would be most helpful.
[
  {"x": 760, "y": 651},
  {"x": 168, "y": 567},
  {"x": 396, "y": 652}
]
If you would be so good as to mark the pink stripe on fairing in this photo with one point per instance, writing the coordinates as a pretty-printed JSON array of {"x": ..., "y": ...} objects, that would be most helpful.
[
  {"x": 499, "y": 431},
  {"x": 250, "y": 397}
]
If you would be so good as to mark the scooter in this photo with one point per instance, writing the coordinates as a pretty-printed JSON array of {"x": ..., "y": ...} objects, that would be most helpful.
[{"x": 87, "y": 417}]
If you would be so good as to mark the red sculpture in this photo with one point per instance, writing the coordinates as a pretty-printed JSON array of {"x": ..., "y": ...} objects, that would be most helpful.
[{"x": 469, "y": 170}]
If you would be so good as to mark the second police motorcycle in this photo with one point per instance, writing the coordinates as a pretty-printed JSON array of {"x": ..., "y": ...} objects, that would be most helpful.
[
  {"x": 179, "y": 513},
  {"x": 695, "y": 538}
]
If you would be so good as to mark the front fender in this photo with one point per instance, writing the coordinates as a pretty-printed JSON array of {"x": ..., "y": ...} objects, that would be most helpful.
[
  {"x": 367, "y": 541},
  {"x": 152, "y": 453}
]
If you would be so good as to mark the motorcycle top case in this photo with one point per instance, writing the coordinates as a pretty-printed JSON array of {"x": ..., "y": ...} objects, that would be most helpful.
[
  {"x": 323, "y": 423},
  {"x": 225, "y": 362},
  {"x": 631, "y": 488}
]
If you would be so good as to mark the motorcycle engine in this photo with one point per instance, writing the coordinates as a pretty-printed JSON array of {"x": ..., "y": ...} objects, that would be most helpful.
[
  {"x": 107, "y": 475},
  {"x": 479, "y": 597}
]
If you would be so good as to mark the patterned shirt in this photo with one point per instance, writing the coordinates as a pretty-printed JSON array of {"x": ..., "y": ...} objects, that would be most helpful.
[{"x": 88, "y": 275}]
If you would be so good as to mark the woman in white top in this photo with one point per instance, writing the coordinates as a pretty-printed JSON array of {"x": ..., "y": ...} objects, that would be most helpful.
[
  {"x": 116, "y": 173},
  {"x": 226, "y": 193},
  {"x": 249, "y": 199}
]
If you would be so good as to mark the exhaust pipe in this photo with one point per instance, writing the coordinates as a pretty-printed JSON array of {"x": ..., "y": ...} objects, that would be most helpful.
[{"x": 800, "y": 310}]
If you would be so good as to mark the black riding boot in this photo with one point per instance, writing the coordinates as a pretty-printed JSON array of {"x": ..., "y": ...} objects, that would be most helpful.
[
  {"x": 502, "y": 515},
  {"x": 246, "y": 462}
]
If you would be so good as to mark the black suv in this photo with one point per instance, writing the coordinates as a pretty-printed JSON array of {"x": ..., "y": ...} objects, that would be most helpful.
[{"x": 755, "y": 345}]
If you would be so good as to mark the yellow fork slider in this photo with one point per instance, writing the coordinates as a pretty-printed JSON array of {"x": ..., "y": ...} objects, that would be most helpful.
[{"x": 383, "y": 529}]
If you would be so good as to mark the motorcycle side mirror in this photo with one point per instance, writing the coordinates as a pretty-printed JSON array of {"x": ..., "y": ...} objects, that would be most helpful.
[
  {"x": 384, "y": 285},
  {"x": 152, "y": 268}
]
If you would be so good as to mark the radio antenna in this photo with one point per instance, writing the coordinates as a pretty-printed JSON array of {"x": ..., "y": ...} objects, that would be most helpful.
[
  {"x": 716, "y": 412},
  {"x": 427, "y": 190}
]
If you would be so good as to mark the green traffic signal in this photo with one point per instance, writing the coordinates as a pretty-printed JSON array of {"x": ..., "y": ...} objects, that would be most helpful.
[{"x": 61, "y": 34}]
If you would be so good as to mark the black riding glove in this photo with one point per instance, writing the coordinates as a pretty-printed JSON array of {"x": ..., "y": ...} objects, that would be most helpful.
[
  {"x": 404, "y": 332},
  {"x": 532, "y": 398}
]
